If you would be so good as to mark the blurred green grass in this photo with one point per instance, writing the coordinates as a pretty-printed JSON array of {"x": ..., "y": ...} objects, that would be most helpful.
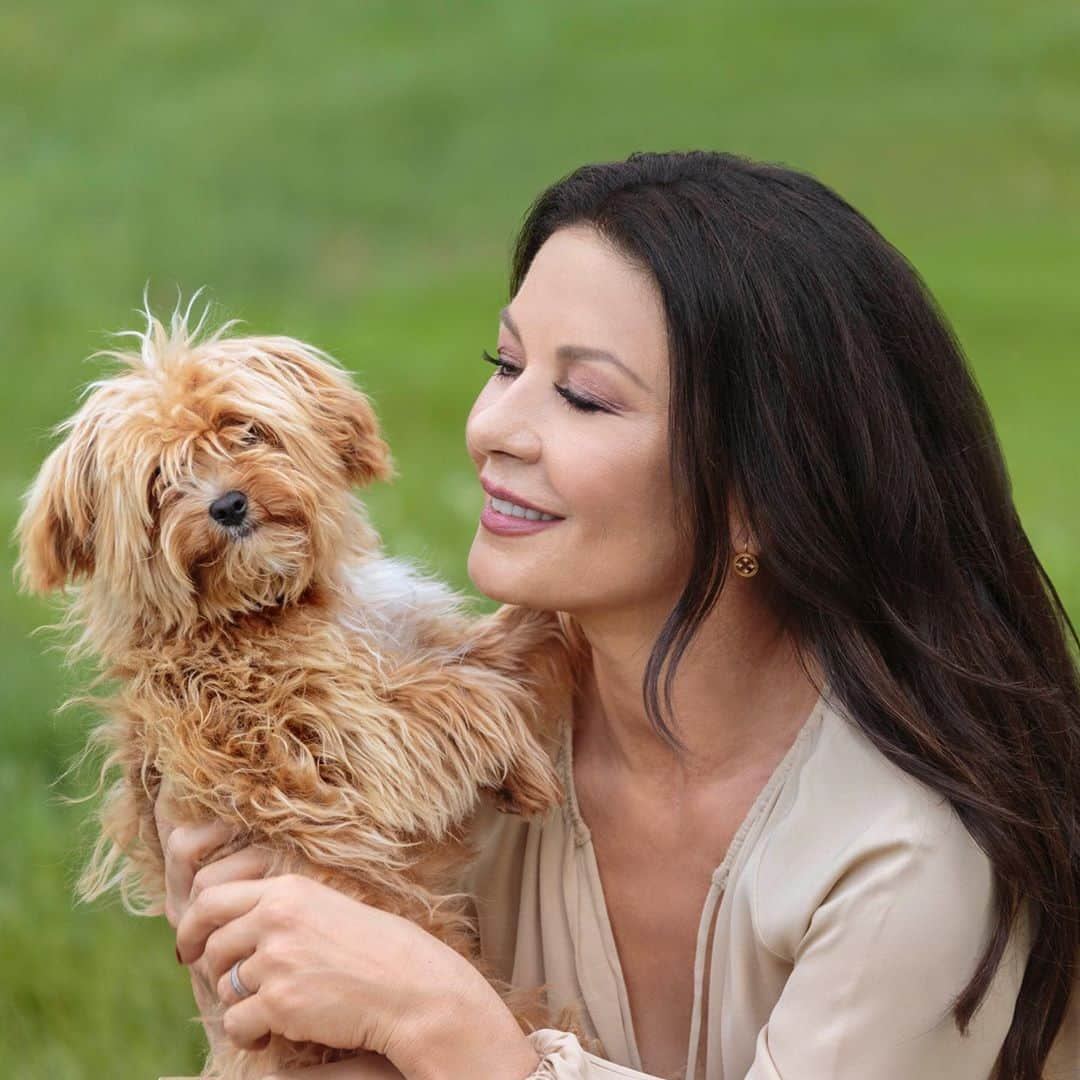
[{"x": 353, "y": 174}]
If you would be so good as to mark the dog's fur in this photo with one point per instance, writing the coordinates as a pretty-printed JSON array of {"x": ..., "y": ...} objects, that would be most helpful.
[{"x": 289, "y": 678}]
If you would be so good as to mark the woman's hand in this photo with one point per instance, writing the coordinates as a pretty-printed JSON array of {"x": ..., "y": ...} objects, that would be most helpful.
[
  {"x": 323, "y": 967},
  {"x": 327, "y": 969},
  {"x": 185, "y": 848}
]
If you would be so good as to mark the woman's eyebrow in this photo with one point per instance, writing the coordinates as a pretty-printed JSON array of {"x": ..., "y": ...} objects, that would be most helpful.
[{"x": 578, "y": 352}]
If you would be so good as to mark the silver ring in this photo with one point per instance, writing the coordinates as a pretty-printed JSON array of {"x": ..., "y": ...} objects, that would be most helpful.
[{"x": 234, "y": 980}]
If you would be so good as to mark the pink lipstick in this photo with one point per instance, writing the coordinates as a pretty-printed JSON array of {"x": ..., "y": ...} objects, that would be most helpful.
[{"x": 509, "y": 525}]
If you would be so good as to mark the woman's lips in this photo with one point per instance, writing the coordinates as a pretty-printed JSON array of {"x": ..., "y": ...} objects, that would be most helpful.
[{"x": 508, "y": 525}]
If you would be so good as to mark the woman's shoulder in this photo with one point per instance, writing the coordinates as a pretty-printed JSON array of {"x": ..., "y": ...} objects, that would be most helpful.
[
  {"x": 848, "y": 780},
  {"x": 851, "y": 818}
]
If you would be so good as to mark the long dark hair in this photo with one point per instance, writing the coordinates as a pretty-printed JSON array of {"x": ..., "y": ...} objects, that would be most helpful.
[{"x": 815, "y": 381}]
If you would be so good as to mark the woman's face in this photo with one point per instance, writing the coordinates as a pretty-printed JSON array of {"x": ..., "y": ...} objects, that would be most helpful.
[{"x": 603, "y": 471}]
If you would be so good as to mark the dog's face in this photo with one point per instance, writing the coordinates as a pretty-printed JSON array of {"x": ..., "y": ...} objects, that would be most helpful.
[{"x": 206, "y": 480}]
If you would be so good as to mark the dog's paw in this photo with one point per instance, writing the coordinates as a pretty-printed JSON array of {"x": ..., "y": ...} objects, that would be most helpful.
[{"x": 529, "y": 788}]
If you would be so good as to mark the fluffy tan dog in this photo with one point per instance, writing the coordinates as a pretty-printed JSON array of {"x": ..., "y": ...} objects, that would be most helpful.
[{"x": 266, "y": 657}]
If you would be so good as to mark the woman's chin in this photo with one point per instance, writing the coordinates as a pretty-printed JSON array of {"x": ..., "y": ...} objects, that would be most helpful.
[{"x": 494, "y": 575}]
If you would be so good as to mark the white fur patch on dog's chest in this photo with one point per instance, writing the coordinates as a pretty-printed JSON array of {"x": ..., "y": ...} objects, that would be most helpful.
[{"x": 393, "y": 600}]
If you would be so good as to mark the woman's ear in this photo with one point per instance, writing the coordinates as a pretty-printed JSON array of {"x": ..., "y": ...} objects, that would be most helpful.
[{"x": 55, "y": 528}]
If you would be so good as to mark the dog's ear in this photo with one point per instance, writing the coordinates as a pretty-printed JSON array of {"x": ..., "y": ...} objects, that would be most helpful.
[
  {"x": 363, "y": 449},
  {"x": 345, "y": 412},
  {"x": 55, "y": 528}
]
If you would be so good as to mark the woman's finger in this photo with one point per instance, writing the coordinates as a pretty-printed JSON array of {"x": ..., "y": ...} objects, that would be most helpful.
[
  {"x": 168, "y": 812},
  {"x": 236, "y": 940},
  {"x": 185, "y": 848},
  {"x": 248, "y": 972},
  {"x": 213, "y": 908},
  {"x": 246, "y": 1023},
  {"x": 243, "y": 865}
]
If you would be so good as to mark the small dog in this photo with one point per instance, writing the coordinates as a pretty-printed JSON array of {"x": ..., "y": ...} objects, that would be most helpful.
[{"x": 269, "y": 660}]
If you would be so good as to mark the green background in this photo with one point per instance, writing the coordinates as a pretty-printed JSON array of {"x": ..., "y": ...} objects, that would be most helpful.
[{"x": 353, "y": 174}]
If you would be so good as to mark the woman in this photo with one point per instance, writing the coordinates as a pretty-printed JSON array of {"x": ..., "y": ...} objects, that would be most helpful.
[{"x": 854, "y": 849}]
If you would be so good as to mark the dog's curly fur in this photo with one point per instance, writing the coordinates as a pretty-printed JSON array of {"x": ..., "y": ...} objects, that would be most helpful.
[{"x": 284, "y": 674}]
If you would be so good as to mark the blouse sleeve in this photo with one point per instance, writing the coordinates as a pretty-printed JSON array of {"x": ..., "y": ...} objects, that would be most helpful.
[
  {"x": 563, "y": 1058},
  {"x": 895, "y": 939}
]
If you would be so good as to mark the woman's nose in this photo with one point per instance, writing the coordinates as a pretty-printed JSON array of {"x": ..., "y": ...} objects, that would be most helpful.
[{"x": 503, "y": 423}]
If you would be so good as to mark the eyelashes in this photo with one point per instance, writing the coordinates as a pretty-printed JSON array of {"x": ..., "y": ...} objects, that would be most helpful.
[{"x": 506, "y": 370}]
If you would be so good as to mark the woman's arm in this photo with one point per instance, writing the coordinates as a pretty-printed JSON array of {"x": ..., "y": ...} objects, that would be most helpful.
[{"x": 877, "y": 963}]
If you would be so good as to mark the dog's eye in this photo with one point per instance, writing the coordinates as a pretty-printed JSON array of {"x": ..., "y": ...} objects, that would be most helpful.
[
  {"x": 249, "y": 433},
  {"x": 153, "y": 488},
  {"x": 269, "y": 436},
  {"x": 257, "y": 433}
]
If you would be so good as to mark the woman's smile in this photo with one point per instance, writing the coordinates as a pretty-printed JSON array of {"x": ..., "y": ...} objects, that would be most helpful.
[{"x": 507, "y": 519}]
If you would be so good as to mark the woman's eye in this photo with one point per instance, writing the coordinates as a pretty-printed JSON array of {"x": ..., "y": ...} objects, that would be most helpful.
[
  {"x": 506, "y": 370},
  {"x": 579, "y": 403},
  {"x": 502, "y": 368}
]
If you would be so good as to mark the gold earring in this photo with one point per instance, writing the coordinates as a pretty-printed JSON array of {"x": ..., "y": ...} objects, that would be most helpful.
[{"x": 746, "y": 565}]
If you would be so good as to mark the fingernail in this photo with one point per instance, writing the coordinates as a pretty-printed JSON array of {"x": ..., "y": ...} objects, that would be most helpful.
[{"x": 178, "y": 960}]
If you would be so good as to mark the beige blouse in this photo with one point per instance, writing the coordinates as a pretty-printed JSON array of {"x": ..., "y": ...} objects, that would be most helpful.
[{"x": 849, "y": 909}]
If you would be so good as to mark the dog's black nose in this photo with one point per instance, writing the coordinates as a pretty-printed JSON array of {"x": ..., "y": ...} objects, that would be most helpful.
[{"x": 230, "y": 509}]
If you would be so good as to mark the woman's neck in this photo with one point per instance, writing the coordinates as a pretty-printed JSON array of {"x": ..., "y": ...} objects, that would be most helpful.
[{"x": 739, "y": 695}]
